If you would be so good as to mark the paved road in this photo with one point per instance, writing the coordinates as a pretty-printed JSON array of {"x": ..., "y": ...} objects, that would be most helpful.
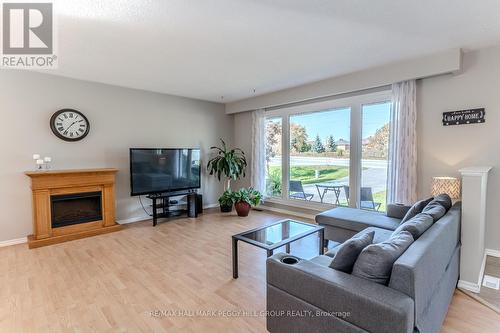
[{"x": 307, "y": 160}]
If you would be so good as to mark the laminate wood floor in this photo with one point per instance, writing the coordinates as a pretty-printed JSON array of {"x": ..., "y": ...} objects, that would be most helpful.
[{"x": 145, "y": 279}]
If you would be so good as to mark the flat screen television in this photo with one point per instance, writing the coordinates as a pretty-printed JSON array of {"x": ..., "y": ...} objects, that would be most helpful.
[{"x": 164, "y": 170}]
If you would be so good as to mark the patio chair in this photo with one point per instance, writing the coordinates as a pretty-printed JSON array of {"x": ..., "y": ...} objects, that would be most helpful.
[
  {"x": 366, "y": 201},
  {"x": 297, "y": 191}
]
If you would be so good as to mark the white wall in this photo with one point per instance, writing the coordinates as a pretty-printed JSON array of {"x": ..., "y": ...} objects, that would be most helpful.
[
  {"x": 120, "y": 118},
  {"x": 444, "y": 150}
]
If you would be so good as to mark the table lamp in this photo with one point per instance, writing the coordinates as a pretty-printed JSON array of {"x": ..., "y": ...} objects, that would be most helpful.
[{"x": 448, "y": 185}]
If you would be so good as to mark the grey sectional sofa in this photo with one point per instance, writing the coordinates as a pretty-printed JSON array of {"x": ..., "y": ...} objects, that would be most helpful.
[{"x": 309, "y": 296}]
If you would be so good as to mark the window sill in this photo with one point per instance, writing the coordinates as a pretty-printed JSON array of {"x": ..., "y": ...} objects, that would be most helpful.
[{"x": 311, "y": 205}]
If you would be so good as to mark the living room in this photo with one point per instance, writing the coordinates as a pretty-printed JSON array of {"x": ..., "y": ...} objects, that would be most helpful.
[{"x": 177, "y": 166}]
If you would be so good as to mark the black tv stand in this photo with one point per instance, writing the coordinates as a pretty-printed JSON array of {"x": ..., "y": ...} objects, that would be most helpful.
[{"x": 162, "y": 207}]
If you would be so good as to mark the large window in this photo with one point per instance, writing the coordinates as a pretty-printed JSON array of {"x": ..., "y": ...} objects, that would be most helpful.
[
  {"x": 375, "y": 154},
  {"x": 319, "y": 154},
  {"x": 316, "y": 154}
]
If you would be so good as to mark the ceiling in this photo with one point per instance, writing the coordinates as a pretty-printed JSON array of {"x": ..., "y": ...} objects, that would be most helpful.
[{"x": 207, "y": 49}]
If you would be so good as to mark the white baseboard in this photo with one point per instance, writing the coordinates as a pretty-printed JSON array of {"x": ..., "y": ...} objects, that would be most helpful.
[
  {"x": 211, "y": 206},
  {"x": 134, "y": 219},
  {"x": 492, "y": 253},
  {"x": 13, "y": 241},
  {"x": 147, "y": 217},
  {"x": 473, "y": 287},
  {"x": 288, "y": 212}
]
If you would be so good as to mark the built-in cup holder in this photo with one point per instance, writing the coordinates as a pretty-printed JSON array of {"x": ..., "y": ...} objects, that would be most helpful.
[{"x": 290, "y": 260}]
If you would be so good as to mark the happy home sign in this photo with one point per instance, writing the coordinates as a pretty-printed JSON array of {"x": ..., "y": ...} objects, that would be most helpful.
[{"x": 472, "y": 116}]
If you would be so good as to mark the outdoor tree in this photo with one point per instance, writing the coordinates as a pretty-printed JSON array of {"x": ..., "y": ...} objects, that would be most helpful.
[
  {"x": 331, "y": 146},
  {"x": 306, "y": 147},
  {"x": 318, "y": 145},
  {"x": 298, "y": 139},
  {"x": 378, "y": 143},
  {"x": 273, "y": 141}
]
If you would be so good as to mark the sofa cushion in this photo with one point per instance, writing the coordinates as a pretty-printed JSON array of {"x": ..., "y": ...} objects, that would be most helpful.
[
  {"x": 417, "y": 225},
  {"x": 416, "y": 209},
  {"x": 435, "y": 209},
  {"x": 380, "y": 236},
  {"x": 444, "y": 199},
  {"x": 375, "y": 261},
  {"x": 349, "y": 251},
  {"x": 397, "y": 211},
  {"x": 356, "y": 219}
]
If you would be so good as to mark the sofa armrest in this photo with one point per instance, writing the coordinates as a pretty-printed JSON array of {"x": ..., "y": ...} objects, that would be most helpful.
[
  {"x": 370, "y": 306},
  {"x": 397, "y": 211}
]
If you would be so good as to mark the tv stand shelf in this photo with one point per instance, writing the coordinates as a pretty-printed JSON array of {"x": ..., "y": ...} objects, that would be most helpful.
[{"x": 162, "y": 208}]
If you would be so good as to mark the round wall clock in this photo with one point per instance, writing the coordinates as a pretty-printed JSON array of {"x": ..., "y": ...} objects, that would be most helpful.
[{"x": 69, "y": 125}]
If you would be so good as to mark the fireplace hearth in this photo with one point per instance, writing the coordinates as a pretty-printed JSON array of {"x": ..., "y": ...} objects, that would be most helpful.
[
  {"x": 76, "y": 208},
  {"x": 72, "y": 204}
]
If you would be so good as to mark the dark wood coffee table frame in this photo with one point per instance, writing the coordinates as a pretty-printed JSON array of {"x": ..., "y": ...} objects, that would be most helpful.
[{"x": 270, "y": 248}]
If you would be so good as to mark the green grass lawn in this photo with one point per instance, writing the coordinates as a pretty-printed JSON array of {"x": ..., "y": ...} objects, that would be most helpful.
[
  {"x": 306, "y": 174},
  {"x": 381, "y": 197}
]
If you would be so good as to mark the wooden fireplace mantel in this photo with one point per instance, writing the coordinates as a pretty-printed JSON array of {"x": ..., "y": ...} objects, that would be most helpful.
[{"x": 45, "y": 184}]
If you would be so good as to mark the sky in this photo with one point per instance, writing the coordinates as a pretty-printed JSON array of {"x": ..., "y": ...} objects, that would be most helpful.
[{"x": 337, "y": 122}]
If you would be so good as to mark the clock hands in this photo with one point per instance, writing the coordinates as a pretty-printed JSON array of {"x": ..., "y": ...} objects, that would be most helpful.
[
  {"x": 70, "y": 126},
  {"x": 78, "y": 121}
]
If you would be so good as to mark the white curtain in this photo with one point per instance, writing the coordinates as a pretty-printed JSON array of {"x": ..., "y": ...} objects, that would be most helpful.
[
  {"x": 402, "y": 172},
  {"x": 258, "y": 158}
]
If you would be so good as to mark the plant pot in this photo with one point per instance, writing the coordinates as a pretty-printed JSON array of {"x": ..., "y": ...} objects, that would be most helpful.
[
  {"x": 226, "y": 209},
  {"x": 242, "y": 208}
]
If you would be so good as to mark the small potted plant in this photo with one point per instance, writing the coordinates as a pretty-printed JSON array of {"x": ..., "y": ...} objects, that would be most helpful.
[
  {"x": 244, "y": 199},
  {"x": 226, "y": 201}
]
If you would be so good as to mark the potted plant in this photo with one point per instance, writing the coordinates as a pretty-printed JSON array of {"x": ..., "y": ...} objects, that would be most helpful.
[
  {"x": 226, "y": 201},
  {"x": 228, "y": 163},
  {"x": 244, "y": 199}
]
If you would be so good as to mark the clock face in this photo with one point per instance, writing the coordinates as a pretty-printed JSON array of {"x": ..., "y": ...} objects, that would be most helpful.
[{"x": 69, "y": 125}]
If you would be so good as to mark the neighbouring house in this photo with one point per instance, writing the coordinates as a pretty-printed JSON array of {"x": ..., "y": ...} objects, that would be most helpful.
[{"x": 343, "y": 144}]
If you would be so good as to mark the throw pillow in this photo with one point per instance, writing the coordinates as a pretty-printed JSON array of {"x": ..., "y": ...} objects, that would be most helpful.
[
  {"x": 444, "y": 199},
  {"x": 435, "y": 209},
  {"x": 417, "y": 225},
  {"x": 348, "y": 252},
  {"x": 375, "y": 261},
  {"x": 416, "y": 209}
]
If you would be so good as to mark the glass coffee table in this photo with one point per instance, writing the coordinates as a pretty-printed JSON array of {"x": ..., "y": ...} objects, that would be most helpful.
[{"x": 276, "y": 235}]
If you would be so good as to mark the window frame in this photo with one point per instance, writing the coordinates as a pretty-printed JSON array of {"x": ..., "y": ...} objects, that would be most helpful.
[{"x": 355, "y": 103}]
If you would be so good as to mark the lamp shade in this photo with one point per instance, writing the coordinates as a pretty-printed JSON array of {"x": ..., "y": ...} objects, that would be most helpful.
[{"x": 448, "y": 185}]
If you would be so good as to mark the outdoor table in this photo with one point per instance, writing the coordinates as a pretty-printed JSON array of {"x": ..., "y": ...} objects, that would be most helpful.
[{"x": 323, "y": 188}]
